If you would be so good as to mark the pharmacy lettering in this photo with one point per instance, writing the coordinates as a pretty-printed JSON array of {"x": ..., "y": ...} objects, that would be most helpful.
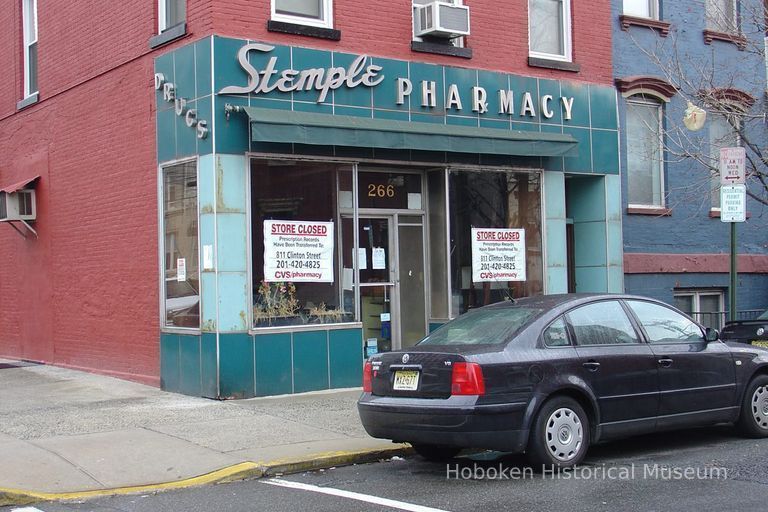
[{"x": 323, "y": 80}]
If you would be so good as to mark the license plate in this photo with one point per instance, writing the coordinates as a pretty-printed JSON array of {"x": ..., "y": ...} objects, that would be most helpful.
[
  {"x": 760, "y": 343},
  {"x": 406, "y": 381}
]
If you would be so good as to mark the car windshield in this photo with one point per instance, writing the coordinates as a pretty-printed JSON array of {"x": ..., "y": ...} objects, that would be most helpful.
[
  {"x": 482, "y": 326},
  {"x": 764, "y": 316}
]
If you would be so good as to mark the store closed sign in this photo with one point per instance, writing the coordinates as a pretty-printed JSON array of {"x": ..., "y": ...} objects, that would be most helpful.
[
  {"x": 276, "y": 76},
  {"x": 298, "y": 251},
  {"x": 498, "y": 255}
]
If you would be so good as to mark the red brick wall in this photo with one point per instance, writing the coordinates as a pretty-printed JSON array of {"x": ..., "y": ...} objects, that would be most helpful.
[
  {"x": 499, "y": 39},
  {"x": 85, "y": 293}
]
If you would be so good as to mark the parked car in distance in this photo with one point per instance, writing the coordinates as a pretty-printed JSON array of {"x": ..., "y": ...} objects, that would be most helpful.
[
  {"x": 754, "y": 332},
  {"x": 550, "y": 375}
]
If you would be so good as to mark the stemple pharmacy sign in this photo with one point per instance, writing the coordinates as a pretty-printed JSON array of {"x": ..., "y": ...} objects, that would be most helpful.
[{"x": 733, "y": 191}]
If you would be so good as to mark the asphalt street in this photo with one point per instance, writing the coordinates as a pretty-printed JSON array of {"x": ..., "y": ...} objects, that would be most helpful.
[{"x": 706, "y": 469}]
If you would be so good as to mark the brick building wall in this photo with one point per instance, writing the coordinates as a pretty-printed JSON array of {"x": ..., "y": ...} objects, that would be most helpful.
[{"x": 85, "y": 293}]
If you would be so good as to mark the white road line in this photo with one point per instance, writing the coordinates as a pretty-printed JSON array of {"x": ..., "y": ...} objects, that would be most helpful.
[
  {"x": 400, "y": 505},
  {"x": 26, "y": 509}
]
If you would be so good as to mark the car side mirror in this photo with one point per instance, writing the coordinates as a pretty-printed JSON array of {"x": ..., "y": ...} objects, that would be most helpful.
[{"x": 711, "y": 334}]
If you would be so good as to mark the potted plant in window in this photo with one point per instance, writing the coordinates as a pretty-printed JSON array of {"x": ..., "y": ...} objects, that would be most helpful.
[
  {"x": 322, "y": 315},
  {"x": 276, "y": 305}
]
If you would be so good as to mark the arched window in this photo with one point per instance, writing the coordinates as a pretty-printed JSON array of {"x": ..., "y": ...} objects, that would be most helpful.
[{"x": 645, "y": 97}]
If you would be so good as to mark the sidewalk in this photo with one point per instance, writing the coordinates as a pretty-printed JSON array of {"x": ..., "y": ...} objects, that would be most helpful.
[{"x": 67, "y": 435}]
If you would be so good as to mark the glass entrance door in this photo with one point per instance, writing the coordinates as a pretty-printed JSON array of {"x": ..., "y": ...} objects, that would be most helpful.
[{"x": 390, "y": 262}]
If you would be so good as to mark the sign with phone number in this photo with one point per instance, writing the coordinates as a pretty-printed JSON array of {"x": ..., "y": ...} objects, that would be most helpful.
[
  {"x": 498, "y": 255},
  {"x": 298, "y": 251}
]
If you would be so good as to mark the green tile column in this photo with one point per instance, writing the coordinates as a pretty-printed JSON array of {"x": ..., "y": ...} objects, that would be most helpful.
[
  {"x": 614, "y": 241},
  {"x": 555, "y": 254}
]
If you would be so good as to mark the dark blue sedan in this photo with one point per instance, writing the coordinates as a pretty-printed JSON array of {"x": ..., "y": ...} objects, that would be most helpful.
[{"x": 549, "y": 375}]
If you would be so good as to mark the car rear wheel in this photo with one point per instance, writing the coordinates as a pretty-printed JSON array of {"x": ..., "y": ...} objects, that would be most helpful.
[
  {"x": 560, "y": 435},
  {"x": 753, "y": 420},
  {"x": 436, "y": 452}
]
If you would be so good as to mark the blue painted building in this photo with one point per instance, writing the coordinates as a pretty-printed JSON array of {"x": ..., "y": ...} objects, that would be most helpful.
[
  {"x": 711, "y": 54},
  {"x": 318, "y": 205}
]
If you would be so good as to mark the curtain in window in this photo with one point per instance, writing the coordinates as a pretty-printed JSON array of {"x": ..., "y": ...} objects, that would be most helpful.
[
  {"x": 644, "y": 153},
  {"x": 721, "y": 15},
  {"x": 547, "y": 27},
  {"x": 642, "y": 8},
  {"x": 306, "y": 8}
]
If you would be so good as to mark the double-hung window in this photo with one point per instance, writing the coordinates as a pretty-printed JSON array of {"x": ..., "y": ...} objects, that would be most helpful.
[
  {"x": 722, "y": 16},
  {"x": 316, "y": 13},
  {"x": 645, "y": 162},
  {"x": 29, "y": 8},
  {"x": 549, "y": 29},
  {"x": 171, "y": 13},
  {"x": 723, "y": 133},
  {"x": 642, "y": 8},
  {"x": 705, "y": 306}
]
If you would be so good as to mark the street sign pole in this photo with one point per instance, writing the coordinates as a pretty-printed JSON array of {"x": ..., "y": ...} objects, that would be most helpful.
[
  {"x": 732, "y": 287},
  {"x": 733, "y": 208}
]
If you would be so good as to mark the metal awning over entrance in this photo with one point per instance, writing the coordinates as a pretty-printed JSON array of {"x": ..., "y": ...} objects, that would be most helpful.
[{"x": 272, "y": 125}]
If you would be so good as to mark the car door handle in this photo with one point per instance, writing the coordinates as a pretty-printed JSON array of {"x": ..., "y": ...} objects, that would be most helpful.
[
  {"x": 665, "y": 362},
  {"x": 592, "y": 366}
]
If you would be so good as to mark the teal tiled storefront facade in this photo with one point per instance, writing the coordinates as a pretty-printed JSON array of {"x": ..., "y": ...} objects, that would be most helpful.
[{"x": 225, "y": 358}]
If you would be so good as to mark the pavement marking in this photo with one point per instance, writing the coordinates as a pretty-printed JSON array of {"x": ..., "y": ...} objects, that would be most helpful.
[
  {"x": 376, "y": 500},
  {"x": 26, "y": 509}
]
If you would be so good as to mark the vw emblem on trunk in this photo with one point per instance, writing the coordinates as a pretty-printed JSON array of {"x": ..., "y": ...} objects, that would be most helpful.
[
  {"x": 760, "y": 331},
  {"x": 406, "y": 358}
]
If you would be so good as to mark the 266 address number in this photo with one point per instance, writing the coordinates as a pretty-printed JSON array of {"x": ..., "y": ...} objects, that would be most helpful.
[{"x": 381, "y": 190}]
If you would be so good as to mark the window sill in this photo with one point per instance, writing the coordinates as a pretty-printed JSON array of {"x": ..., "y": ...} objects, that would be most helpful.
[
  {"x": 715, "y": 214},
  {"x": 303, "y": 30},
  {"x": 713, "y": 35},
  {"x": 656, "y": 211},
  {"x": 538, "y": 62},
  {"x": 306, "y": 327},
  {"x": 662, "y": 27},
  {"x": 168, "y": 35},
  {"x": 441, "y": 49},
  {"x": 29, "y": 100}
]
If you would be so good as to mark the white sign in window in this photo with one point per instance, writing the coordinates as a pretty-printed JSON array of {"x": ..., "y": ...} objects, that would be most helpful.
[
  {"x": 498, "y": 254},
  {"x": 298, "y": 251}
]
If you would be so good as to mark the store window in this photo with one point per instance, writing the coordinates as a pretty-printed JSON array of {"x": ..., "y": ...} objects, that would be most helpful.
[
  {"x": 318, "y": 13},
  {"x": 29, "y": 13},
  {"x": 645, "y": 164},
  {"x": 549, "y": 28},
  {"x": 295, "y": 244},
  {"x": 704, "y": 306},
  {"x": 171, "y": 13},
  {"x": 180, "y": 246},
  {"x": 723, "y": 133},
  {"x": 722, "y": 16},
  {"x": 642, "y": 8},
  {"x": 507, "y": 200}
]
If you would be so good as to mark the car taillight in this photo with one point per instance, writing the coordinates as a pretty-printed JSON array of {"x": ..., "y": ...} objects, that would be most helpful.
[
  {"x": 467, "y": 379},
  {"x": 367, "y": 377}
]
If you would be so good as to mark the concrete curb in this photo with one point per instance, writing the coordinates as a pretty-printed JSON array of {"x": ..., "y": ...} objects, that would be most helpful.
[{"x": 236, "y": 472}]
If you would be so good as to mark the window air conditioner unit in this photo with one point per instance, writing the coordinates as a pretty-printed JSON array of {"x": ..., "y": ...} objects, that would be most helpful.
[
  {"x": 442, "y": 19},
  {"x": 19, "y": 205}
]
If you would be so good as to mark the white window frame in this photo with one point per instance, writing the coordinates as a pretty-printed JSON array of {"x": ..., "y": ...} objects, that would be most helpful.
[
  {"x": 653, "y": 10},
  {"x": 659, "y": 104},
  {"x": 696, "y": 302},
  {"x": 325, "y": 22},
  {"x": 734, "y": 5},
  {"x": 28, "y": 42},
  {"x": 567, "y": 35},
  {"x": 162, "y": 15}
]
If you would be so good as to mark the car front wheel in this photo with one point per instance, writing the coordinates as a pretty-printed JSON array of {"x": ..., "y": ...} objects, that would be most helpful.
[
  {"x": 753, "y": 420},
  {"x": 560, "y": 435}
]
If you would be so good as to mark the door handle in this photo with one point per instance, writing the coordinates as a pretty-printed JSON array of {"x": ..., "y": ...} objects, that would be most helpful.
[
  {"x": 592, "y": 366},
  {"x": 665, "y": 362}
]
